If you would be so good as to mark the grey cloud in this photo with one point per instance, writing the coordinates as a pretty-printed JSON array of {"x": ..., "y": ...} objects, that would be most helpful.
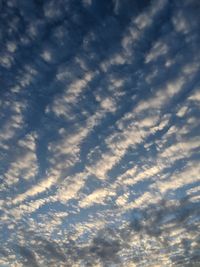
[
  {"x": 52, "y": 249},
  {"x": 29, "y": 257},
  {"x": 156, "y": 222}
]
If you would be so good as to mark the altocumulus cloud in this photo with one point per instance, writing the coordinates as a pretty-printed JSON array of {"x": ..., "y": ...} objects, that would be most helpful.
[{"x": 99, "y": 143}]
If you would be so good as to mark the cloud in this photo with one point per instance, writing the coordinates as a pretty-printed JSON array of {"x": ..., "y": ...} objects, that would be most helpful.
[
  {"x": 71, "y": 186},
  {"x": 178, "y": 180},
  {"x": 118, "y": 143},
  {"x": 28, "y": 256},
  {"x": 96, "y": 197},
  {"x": 195, "y": 97},
  {"x": 157, "y": 50},
  {"x": 62, "y": 104},
  {"x": 25, "y": 165},
  {"x": 150, "y": 230},
  {"x": 14, "y": 121},
  {"x": 35, "y": 190},
  {"x": 99, "y": 143}
]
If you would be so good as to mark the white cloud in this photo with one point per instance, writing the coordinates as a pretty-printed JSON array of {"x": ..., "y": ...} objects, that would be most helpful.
[
  {"x": 138, "y": 25},
  {"x": 130, "y": 177},
  {"x": 11, "y": 46},
  {"x": 195, "y": 97},
  {"x": 117, "y": 59},
  {"x": 108, "y": 104},
  {"x": 180, "y": 22},
  {"x": 99, "y": 196},
  {"x": 13, "y": 122},
  {"x": 182, "y": 111},
  {"x": 182, "y": 149},
  {"x": 36, "y": 189},
  {"x": 162, "y": 97},
  {"x": 118, "y": 143},
  {"x": 69, "y": 144},
  {"x": 87, "y": 3},
  {"x": 24, "y": 165},
  {"x": 91, "y": 226},
  {"x": 189, "y": 174},
  {"x": 71, "y": 186},
  {"x": 25, "y": 77},
  {"x": 122, "y": 200},
  {"x": 6, "y": 60},
  {"x": 62, "y": 103},
  {"x": 50, "y": 10},
  {"x": 143, "y": 201},
  {"x": 47, "y": 55},
  {"x": 159, "y": 48}
]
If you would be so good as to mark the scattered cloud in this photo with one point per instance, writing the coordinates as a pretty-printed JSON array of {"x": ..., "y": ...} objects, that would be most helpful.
[{"x": 99, "y": 144}]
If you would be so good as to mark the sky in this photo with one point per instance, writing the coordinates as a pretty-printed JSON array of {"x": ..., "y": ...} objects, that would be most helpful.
[{"x": 99, "y": 133}]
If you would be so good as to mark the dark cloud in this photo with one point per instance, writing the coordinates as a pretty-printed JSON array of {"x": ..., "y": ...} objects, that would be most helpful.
[
  {"x": 157, "y": 222},
  {"x": 29, "y": 257},
  {"x": 52, "y": 250}
]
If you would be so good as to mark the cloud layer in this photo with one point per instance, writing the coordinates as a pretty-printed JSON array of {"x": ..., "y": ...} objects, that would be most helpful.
[{"x": 99, "y": 138}]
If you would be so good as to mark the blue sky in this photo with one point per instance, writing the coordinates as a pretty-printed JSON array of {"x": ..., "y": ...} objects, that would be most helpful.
[{"x": 99, "y": 135}]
